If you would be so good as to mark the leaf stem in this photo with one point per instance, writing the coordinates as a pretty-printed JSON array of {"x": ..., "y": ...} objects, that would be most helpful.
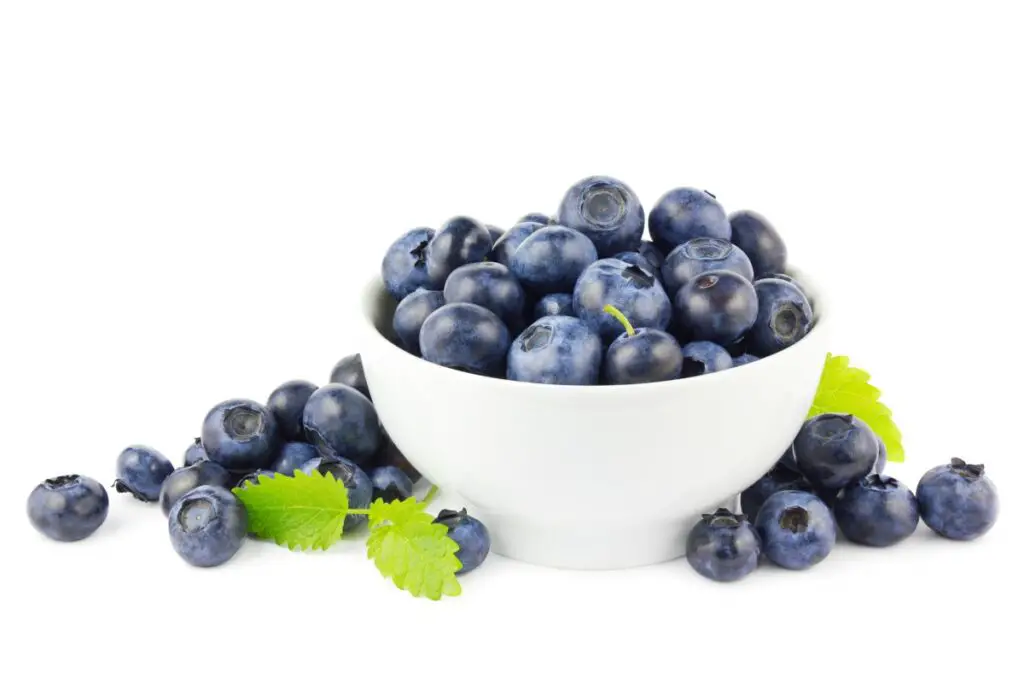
[
  {"x": 358, "y": 511},
  {"x": 617, "y": 314},
  {"x": 431, "y": 495}
]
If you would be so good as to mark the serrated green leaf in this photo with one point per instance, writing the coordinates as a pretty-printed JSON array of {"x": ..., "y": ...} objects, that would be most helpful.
[
  {"x": 845, "y": 389},
  {"x": 300, "y": 512},
  {"x": 410, "y": 549}
]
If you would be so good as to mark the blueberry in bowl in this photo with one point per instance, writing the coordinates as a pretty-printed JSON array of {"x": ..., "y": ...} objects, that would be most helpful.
[
  {"x": 718, "y": 305},
  {"x": 784, "y": 317},
  {"x": 465, "y": 337},
  {"x": 404, "y": 267},
  {"x": 704, "y": 357},
  {"x": 559, "y": 303},
  {"x": 461, "y": 240},
  {"x": 556, "y": 349},
  {"x": 684, "y": 213},
  {"x": 630, "y": 289},
  {"x": 760, "y": 241},
  {"x": 552, "y": 258},
  {"x": 410, "y": 314},
  {"x": 641, "y": 356},
  {"x": 700, "y": 255},
  {"x": 506, "y": 245},
  {"x": 490, "y": 285},
  {"x": 607, "y": 211}
]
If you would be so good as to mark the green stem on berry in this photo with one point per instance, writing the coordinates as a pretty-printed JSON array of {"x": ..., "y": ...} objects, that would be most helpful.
[{"x": 617, "y": 314}]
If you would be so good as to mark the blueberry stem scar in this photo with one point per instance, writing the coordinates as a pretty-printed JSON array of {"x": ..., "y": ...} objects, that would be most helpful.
[{"x": 617, "y": 314}]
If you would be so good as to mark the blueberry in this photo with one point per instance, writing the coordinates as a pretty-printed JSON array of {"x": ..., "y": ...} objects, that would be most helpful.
[
  {"x": 700, "y": 255},
  {"x": 759, "y": 240},
  {"x": 356, "y": 481},
  {"x": 684, "y": 213},
  {"x": 630, "y": 289},
  {"x": 293, "y": 456},
  {"x": 718, "y": 306},
  {"x": 141, "y": 471},
  {"x": 653, "y": 255},
  {"x": 554, "y": 304},
  {"x": 723, "y": 546},
  {"x": 778, "y": 478},
  {"x": 552, "y": 258},
  {"x": 240, "y": 435},
  {"x": 341, "y": 422},
  {"x": 495, "y": 233},
  {"x": 703, "y": 358},
  {"x": 796, "y": 529},
  {"x": 958, "y": 500},
  {"x": 645, "y": 356},
  {"x": 286, "y": 403},
  {"x": 607, "y": 211},
  {"x": 68, "y": 508},
  {"x": 404, "y": 267},
  {"x": 783, "y": 317},
  {"x": 556, "y": 350},
  {"x": 207, "y": 526},
  {"x": 507, "y": 245},
  {"x": 635, "y": 258},
  {"x": 743, "y": 359},
  {"x": 834, "y": 450},
  {"x": 460, "y": 241},
  {"x": 195, "y": 453},
  {"x": 876, "y": 510},
  {"x": 410, "y": 314},
  {"x": 253, "y": 478},
  {"x": 471, "y": 535},
  {"x": 349, "y": 371},
  {"x": 390, "y": 483},
  {"x": 490, "y": 285},
  {"x": 465, "y": 337},
  {"x": 184, "y": 479},
  {"x": 536, "y": 217}
]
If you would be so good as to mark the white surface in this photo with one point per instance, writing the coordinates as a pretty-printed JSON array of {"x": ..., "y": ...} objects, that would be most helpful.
[{"x": 192, "y": 192}]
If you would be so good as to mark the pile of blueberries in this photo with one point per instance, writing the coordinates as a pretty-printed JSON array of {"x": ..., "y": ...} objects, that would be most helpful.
[
  {"x": 830, "y": 478},
  {"x": 582, "y": 298},
  {"x": 332, "y": 429}
]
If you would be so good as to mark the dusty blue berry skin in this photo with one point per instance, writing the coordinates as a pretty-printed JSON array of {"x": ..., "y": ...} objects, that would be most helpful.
[
  {"x": 635, "y": 258},
  {"x": 207, "y": 526},
  {"x": 460, "y": 241},
  {"x": 342, "y": 423},
  {"x": 495, "y": 232},
  {"x": 184, "y": 479},
  {"x": 779, "y": 478},
  {"x": 718, "y": 306},
  {"x": 552, "y": 258},
  {"x": 471, "y": 535},
  {"x": 877, "y": 510},
  {"x": 700, "y": 255},
  {"x": 607, "y": 211},
  {"x": 653, "y": 255},
  {"x": 537, "y": 217},
  {"x": 635, "y": 292},
  {"x": 783, "y": 317},
  {"x": 410, "y": 314},
  {"x": 503, "y": 249},
  {"x": 68, "y": 508},
  {"x": 684, "y": 213},
  {"x": 286, "y": 404},
  {"x": 833, "y": 450},
  {"x": 356, "y": 481},
  {"x": 466, "y": 337},
  {"x": 293, "y": 456},
  {"x": 240, "y": 435},
  {"x": 796, "y": 529},
  {"x": 349, "y": 371},
  {"x": 723, "y": 546},
  {"x": 559, "y": 303},
  {"x": 404, "y": 267},
  {"x": 958, "y": 501},
  {"x": 647, "y": 356},
  {"x": 556, "y": 350},
  {"x": 141, "y": 471},
  {"x": 703, "y": 358},
  {"x": 195, "y": 453},
  {"x": 490, "y": 285},
  {"x": 390, "y": 483},
  {"x": 752, "y": 233},
  {"x": 743, "y": 359}
]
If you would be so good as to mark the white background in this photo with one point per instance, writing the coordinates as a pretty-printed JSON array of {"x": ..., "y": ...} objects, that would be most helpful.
[{"x": 190, "y": 191}]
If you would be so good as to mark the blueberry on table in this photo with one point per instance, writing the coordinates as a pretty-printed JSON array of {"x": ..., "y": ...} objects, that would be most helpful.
[
  {"x": 700, "y": 255},
  {"x": 538, "y": 217},
  {"x": 652, "y": 253},
  {"x": 758, "y": 240},
  {"x": 559, "y": 303},
  {"x": 240, "y": 435},
  {"x": 184, "y": 479},
  {"x": 356, "y": 481},
  {"x": 642, "y": 356},
  {"x": 460, "y": 241},
  {"x": 349, "y": 371},
  {"x": 796, "y": 529},
  {"x": 465, "y": 337},
  {"x": 141, "y": 471},
  {"x": 723, "y": 546},
  {"x": 703, "y": 358},
  {"x": 743, "y": 359},
  {"x": 503, "y": 249},
  {"x": 684, "y": 213},
  {"x": 341, "y": 422},
  {"x": 783, "y": 317},
  {"x": 293, "y": 456},
  {"x": 404, "y": 267},
  {"x": 779, "y": 478},
  {"x": 718, "y": 306},
  {"x": 556, "y": 350},
  {"x": 877, "y": 510},
  {"x": 410, "y": 314},
  {"x": 68, "y": 508},
  {"x": 470, "y": 534},
  {"x": 195, "y": 453},
  {"x": 607, "y": 211},
  {"x": 390, "y": 484},
  {"x": 630, "y": 289},
  {"x": 552, "y": 258},
  {"x": 490, "y": 285},
  {"x": 958, "y": 501},
  {"x": 286, "y": 404},
  {"x": 833, "y": 450},
  {"x": 207, "y": 526}
]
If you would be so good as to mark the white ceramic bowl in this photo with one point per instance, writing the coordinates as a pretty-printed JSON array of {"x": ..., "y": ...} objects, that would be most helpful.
[{"x": 589, "y": 477}]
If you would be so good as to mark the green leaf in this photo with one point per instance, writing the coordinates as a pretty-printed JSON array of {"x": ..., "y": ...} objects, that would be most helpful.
[
  {"x": 407, "y": 546},
  {"x": 301, "y": 512},
  {"x": 847, "y": 390}
]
